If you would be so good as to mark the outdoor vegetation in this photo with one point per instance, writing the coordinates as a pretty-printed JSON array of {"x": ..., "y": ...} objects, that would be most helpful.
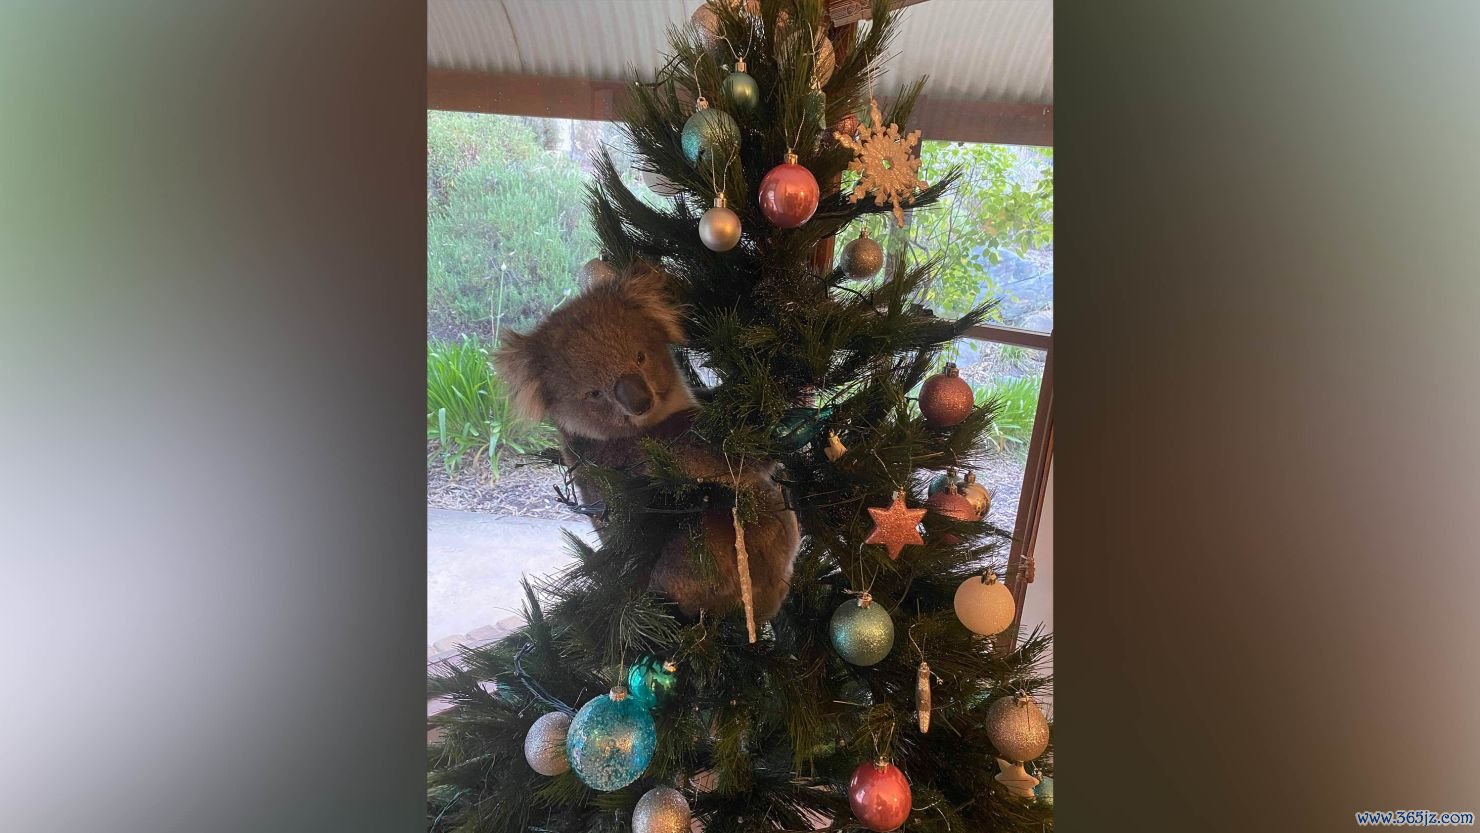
[{"x": 508, "y": 230}]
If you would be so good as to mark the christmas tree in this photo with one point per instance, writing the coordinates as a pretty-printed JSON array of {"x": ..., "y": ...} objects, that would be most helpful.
[{"x": 875, "y": 697}]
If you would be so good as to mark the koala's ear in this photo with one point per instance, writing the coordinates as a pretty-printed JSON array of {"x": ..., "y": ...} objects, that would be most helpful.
[
  {"x": 518, "y": 365},
  {"x": 647, "y": 289}
]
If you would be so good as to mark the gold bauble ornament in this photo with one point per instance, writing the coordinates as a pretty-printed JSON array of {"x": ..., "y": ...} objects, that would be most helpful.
[
  {"x": 862, "y": 258},
  {"x": 985, "y": 605},
  {"x": 981, "y": 499},
  {"x": 1017, "y": 728}
]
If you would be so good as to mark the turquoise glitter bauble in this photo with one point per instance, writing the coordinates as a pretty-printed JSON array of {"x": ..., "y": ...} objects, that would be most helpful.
[
  {"x": 1044, "y": 791},
  {"x": 650, "y": 681},
  {"x": 708, "y": 132},
  {"x": 741, "y": 91},
  {"x": 862, "y": 631},
  {"x": 611, "y": 741}
]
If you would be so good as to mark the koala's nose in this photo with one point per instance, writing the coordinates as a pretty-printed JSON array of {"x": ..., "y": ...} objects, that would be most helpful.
[{"x": 633, "y": 394}]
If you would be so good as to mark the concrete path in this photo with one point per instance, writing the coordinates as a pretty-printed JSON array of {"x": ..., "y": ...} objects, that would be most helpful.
[{"x": 475, "y": 560}]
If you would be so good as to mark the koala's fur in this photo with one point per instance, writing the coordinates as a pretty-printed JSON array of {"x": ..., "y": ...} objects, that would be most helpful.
[{"x": 600, "y": 368}]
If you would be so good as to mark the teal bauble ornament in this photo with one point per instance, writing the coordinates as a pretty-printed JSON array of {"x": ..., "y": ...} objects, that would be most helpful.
[
  {"x": 942, "y": 481},
  {"x": 708, "y": 132},
  {"x": 1044, "y": 791},
  {"x": 611, "y": 741},
  {"x": 742, "y": 93},
  {"x": 799, "y": 425},
  {"x": 651, "y": 681},
  {"x": 862, "y": 631}
]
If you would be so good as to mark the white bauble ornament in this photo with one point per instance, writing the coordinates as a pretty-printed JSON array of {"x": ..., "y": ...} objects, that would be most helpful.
[
  {"x": 719, "y": 228},
  {"x": 544, "y": 746},
  {"x": 1017, "y": 728},
  {"x": 985, "y": 605},
  {"x": 661, "y": 810}
]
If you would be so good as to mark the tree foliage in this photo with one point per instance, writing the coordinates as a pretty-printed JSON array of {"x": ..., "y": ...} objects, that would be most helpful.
[{"x": 778, "y": 726}]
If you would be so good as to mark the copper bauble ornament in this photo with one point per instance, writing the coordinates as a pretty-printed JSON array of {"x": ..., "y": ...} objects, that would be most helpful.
[
  {"x": 862, "y": 258},
  {"x": 985, "y": 605},
  {"x": 661, "y": 810},
  {"x": 879, "y": 796},
  {"x": 706, "y": 20},
  {"x": 1017, "y": 728},
  {"x": 952, "y": 504},
  {"x": 719, "y": 228},
  {"x": 788, "y": 194},
  {"x": 544, "y": 745},
  {"x": 708, "y": 133},
  {"x": 981, "y": 499},
  {"x": 862, "y": 632},
  {"x": 895, "y": 526},
  {"x": 595, "y": 271},
  {"x": 945, "y": 398}
]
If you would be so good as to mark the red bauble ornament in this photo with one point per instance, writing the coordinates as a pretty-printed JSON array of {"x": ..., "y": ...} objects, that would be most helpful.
[
  {"x": 880, "y": 796},
  {"x": 945, "y": 398},
  {"x": 952, "y": 504},
  {"x": 789, "y": 194}
]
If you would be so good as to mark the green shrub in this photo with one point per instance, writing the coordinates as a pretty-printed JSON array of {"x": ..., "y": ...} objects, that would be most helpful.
[
  {"x": 1017, "y": 402},
  {"x": 468, "y": 407},
  {"x": 506, "y": 223}
]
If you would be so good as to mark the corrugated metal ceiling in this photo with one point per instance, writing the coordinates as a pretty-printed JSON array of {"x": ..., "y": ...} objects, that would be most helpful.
[{"x": 973, "y": 50}]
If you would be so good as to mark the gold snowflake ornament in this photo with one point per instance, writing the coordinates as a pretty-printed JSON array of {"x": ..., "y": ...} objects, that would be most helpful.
[{"x": 884, "y": 160}]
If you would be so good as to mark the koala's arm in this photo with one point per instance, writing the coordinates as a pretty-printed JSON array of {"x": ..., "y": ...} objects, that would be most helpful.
[{"x": 708, "y": 464}]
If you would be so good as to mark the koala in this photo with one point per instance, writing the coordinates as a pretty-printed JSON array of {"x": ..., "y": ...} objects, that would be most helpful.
[{"x": 600, "y": 368}]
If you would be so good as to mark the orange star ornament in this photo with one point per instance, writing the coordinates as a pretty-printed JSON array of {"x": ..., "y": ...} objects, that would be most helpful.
[{"x": 896, "y": 527}]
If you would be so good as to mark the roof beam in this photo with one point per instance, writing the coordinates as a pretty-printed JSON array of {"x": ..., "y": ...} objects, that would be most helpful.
[{"x": 577, "y": 98}]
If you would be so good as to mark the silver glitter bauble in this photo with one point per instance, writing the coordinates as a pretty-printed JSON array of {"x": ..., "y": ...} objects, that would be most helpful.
[
  {"x": 544, "y": 746},
  {"x": 862, "y": 258},
  {"x": 862, "y": 631},
  {"x": 661, "y": 810},
  {"x": 595, "y": 271},
  {"x": 719, "y": 228},
  {"x": 985, "y": 605},
  {"x": 1017, "y": 728}
]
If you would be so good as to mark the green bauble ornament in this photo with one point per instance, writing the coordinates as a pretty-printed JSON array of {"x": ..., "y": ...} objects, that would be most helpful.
[
  {"x": 650, "y": 681},
  {"x": 742, "y": 93},
  {"x": 708, "y": 132},
  {"x": 862, "y": 631}
]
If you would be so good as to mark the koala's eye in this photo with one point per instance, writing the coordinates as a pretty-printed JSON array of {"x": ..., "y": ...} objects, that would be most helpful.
[
  {"x": 595, "y": 394},
  {"x": 641, "y": 357}
]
